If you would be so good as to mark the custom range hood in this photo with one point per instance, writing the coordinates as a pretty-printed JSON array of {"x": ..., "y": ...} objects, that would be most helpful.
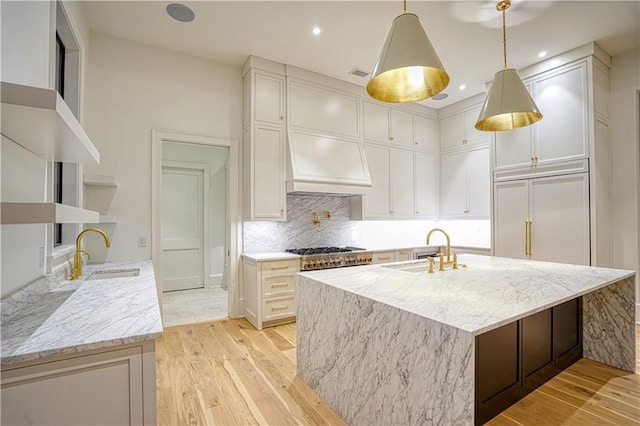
[{"x": 324, "y": 164}]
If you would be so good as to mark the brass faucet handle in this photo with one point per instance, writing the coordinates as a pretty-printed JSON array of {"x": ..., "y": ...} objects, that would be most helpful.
[
  {"x": 430, "y": 259},
  {"x": 441, "y": 257},
  {"x": 455, "y": 260}
]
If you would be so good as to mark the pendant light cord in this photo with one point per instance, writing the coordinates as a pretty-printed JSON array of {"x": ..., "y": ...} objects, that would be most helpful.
[{"x": 504, "y": 36}]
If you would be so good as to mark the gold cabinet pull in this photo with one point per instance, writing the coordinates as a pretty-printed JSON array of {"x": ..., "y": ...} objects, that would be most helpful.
[
  {"x": 279, "y": 267},
  {"x": 281, "y": 117},
  {"x": 278, "y": 285},
  {"x": 390, "y": 138},
  {"x": 384, "y": 257},
  {"x": 526, "y": 238},
  {"x": 279, "y": 308},
  {"x": 464, "y": 141},
  {"x": 530, "y": 237}
]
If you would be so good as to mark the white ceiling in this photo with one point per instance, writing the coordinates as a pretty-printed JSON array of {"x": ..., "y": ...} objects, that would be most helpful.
[{"x": 466, "y": 34}]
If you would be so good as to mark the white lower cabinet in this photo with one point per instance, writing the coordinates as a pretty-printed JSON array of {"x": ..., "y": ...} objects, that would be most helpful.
[
  {"x": 116, "y": 387},
  {"x": 383, "y": 256},
  {"x": 543, "y": 219},
  {"x": 404, "y": 254},
  {"x": 465, "y": 180},
  {"x": 269, "y": 291}
]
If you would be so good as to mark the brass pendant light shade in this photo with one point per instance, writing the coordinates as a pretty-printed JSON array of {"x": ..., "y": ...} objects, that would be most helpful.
[
  {"x": 408, "y": 68},
  {"x": 508, "y": 105}
]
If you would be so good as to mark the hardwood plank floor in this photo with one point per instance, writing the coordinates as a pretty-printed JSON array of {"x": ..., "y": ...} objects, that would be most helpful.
[{"x": 226, "y": 372}]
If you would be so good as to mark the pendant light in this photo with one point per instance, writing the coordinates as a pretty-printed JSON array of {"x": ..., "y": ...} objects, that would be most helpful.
[
  {"x": 408, "y": 68},
  {"x": 508, "y": 104}
]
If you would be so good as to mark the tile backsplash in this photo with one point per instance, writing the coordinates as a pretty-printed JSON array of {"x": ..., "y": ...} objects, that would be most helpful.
[{"x": 299, "y": 231}]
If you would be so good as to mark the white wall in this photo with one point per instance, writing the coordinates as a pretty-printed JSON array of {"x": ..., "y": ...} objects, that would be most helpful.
[
  {"x": 132, "y": 88},
  {"x": 217, "y": 158},
  {"x": 625, "y": 82}
]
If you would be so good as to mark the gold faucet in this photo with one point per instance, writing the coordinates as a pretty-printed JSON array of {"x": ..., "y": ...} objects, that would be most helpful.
[
  {"x": 448, "y": 243},
  {"x": 76, "y": 271}
]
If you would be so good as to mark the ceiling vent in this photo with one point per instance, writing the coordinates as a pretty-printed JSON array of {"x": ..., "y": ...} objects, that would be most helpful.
[{"x": 358, "y": 72}]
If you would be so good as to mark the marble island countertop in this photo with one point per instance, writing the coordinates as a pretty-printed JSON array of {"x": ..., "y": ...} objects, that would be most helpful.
[
  {"x": 53, "y": 317},
  {"x": 490, "y": 292}
]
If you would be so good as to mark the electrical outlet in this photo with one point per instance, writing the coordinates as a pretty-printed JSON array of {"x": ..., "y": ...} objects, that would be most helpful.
[{"x": 142, "y": 241}]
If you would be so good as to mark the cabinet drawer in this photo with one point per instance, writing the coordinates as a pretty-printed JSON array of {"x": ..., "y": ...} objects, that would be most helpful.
[
  {"x": 278, "y": 285},
  {"x": 285, "y": 266},
  {"x": 282, "y": 307},
  {"x": 403, "y": 255},
  {"x": 384, "y": 256}
]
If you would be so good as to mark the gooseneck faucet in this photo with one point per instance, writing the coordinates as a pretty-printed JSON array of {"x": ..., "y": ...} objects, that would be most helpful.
[
  {"x": 448, "y": 242},
  {"x": 76, "y": 271}
]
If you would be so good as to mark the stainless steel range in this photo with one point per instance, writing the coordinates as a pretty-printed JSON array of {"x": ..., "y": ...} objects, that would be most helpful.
[{"x": 332, "y": 257}]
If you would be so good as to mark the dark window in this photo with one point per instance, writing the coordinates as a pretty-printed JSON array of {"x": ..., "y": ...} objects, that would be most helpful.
[
  {"x": 60, "y": 63},
  {"x": 57, "y": 169}
]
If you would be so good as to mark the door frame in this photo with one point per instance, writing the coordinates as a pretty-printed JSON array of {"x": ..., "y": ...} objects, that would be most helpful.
[
  {"x": 206, "y": 213},
  {"x": 234, "y": 221}
]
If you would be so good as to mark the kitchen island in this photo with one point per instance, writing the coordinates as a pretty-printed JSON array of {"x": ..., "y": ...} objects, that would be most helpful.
[{"x": 393, "y": 344}]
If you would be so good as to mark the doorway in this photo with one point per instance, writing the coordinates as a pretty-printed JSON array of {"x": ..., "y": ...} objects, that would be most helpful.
[{"x": 193, "y": 227}]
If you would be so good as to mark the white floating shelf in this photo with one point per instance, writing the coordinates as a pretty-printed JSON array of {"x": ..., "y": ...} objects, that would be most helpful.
[
  {"x": 39, "y": 120},
  {"x": 100, "y": 180},
  {"x": 15, "y": 213},
  {"x": 107, "y": 218}
]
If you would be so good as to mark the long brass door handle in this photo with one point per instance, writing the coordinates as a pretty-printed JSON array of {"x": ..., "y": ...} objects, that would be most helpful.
[
  {"x": 526, "y": 238},
  {"x": 530, "y": 237}
]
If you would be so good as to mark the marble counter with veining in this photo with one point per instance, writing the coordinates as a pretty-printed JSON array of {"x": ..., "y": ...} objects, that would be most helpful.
[
  {"x": 54, "y": 315},
  {"x": 386, "y": 346}
]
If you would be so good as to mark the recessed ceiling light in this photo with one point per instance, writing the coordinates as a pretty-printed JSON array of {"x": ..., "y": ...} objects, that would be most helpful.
[
  {"x": 316, "y": 30},
  {"x": 440, "y": 96},
  {"x": 462, "y": 86},
  {"x": 180, "y": 12},
  {"x": 542, "y": 54}
]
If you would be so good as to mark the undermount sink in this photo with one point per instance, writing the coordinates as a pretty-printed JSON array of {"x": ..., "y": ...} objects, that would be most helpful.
[
  {"x": 114, "y": 273},
  {"x": 410, "y": 267}
]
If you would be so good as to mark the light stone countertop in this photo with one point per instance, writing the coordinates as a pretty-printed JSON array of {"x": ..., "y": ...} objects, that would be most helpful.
[
  {"x": 258, "y": 257},
  {"x": 490, "y": 292},
  {"x": 51, "y": 317}
]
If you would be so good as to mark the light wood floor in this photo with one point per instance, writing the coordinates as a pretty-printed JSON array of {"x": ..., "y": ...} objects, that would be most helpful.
[{"x": 226, "y": 372}]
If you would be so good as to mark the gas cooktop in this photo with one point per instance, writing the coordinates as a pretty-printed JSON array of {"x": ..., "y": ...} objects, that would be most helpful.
[{"x": 323, "y": 250}]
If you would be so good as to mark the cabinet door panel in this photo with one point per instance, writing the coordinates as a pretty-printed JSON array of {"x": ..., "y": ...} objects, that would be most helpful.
[
  {"x": 567, "y": 327},
  {"x": 453, "y": 179},
  {"x": 376, "y": 122},
  {"x": 378, "y": 202},
  {"x": 402, "y": 181},
  {"x": 269, "y": 99},
  {"x": 479, "y": 182},
  {"x": 511, "y": 205},
  {"x": 497, "y": 370},
  {"x": 426, "y": 173},
  {"x": 424, "y": 133},
  {"x": 560, "y": 219},
  {"x": 268, "y": 180},
  {"x": 537, "y": 351},
  {"x": 513, "y": 148},
  {"x": 401, "y": 128},
  {"x": 452, "y": 132},
  {"x": 562, "y": 99},
  {"x": 473, "y": 135}
]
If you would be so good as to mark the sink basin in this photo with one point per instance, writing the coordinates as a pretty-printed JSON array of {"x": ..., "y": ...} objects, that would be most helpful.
[
  {"x": 114, "y": 273},
  {"x": 410, "y": 267}
]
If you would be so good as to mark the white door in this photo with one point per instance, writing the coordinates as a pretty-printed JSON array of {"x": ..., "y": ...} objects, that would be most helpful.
[
  {"x": 426, "y": 170},
  {"x": 378, "y": 202},
  {"x": 479, "y": 182},
  {"x": 182, "y": 228},
  {"x": 401, "y": 172},
  {"x": 453, "y": 181}
]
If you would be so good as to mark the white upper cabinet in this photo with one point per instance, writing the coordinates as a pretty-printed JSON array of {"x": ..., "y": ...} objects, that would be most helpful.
[
  {"x": 390, "y": 125},
  {"x": 465, "y": 182},
  {"x": 562, "y": 134},
  {"x": 402, "y": 183},
  {"x": 458, "y": 131},
  {"x": 401, "y": 128},
  {"x": 376, "y": 122},
  {"x": 377, "y": 204},
  {"x": 426, "y": 184},
  {"x": 269, "y": 98},
  {"x": 424, "y": 133},
  {"x": 264, "y": 146},
  {"x": 323, "y": 110}
]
